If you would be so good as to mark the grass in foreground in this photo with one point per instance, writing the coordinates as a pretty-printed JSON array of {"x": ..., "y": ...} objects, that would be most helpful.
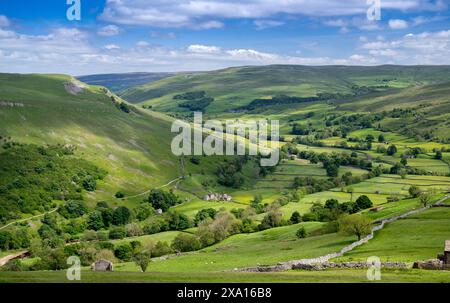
[{"x": 327, "y": 276}]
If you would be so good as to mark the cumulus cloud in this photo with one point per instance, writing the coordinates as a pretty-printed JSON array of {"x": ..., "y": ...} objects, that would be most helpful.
[
  {"x": 108, "y": 31},
  {"x": 4, "y": 21},
  {"x": 111, "y": 47},
  {"x": 423, "y": 48},
  {"x": 69, "y": 50},
  {"x": 203, "y": 49},
  {"x": 355, "y": 22},
  {"x": 398, "y": 24},
  {"x": 206, "y": 14}
]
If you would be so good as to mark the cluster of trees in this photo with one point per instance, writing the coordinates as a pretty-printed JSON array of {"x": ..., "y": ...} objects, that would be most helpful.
[
  {"x": 229, "y": 173},
  {"x": 332, "y": 210},
  {"x": 33, "y": 176},
  {"x": 196, "y": 101}
]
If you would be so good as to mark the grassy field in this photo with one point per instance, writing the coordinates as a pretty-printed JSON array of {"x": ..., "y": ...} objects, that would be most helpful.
[
  {"x": 418, "y": 237},
  {"x": 327, "y": 276},
  {"x": 247, "y": 250}
]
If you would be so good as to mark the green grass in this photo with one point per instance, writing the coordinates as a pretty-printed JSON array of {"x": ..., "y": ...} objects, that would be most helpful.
[
  {"x": 327, "y": 276},
  {"x": 134, "y": 148},
  {"x": 247, "y": 250},
  {"x": 418, "y": 237}
]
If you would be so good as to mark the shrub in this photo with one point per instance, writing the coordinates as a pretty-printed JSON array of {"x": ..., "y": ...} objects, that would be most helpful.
[
  {"x": 121, "y": 215},
  {"x": 117, "y": 233},
  {"x": 204, "y": 214},
  {"x": 295, "y": 217},
  {"x": 363, "y": 202},
  {"x": 185, "y": 242},
  {"x": 161, "y": 248},
  {"x": 72, "y": 209},
  {"x": 119, "y": 195},
  {"x": 301, "y": 233},
  {"x": 124, "y": 252},
  {"x": 133, "y": 230}
]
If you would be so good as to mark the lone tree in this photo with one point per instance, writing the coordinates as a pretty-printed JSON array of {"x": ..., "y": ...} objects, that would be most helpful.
[
  {"x": 142, "y": 259},
  {"x": 355, "y": 224},
  {"x": 392, "y": 150},
  {"x": 425, "y": 198},
  {"x": 414, "y": 191}
]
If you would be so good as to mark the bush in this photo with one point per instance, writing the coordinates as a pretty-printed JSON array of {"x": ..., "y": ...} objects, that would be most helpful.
[
  {"x": 72, "y": 209},
  {"x": 117, "y": 233},
  {"x": 301, "y": 233},
  {"x": 133, "y": 230},
  {"x": 295, "y": 217},
  {"x": 161, "y": 248},
  {"x": 124, "y": 252},
  {"x": 363, "y": 202},
  {"x": 121, "y": 215},
  {"x": 185, "y": 242},
  {"x": 119, "y": 195},
  {"x": 89, "y": 183},
  {"x": 204, "y": 214}
]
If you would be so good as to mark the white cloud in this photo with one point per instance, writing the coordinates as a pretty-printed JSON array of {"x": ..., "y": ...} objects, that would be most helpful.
[
  {"x": 203, "y": 49},
  {"x": 69, "y": 50},
  {"x": 251, "y": 54},
  {"x": 206, "y": 14},
  {"x": 423, "y": 48},
  {"x": 355, "y": 22},
  {"x": 263, "y": 24},
  {"x": 398, "y": 24},
  {"x": 142, "y": 44},
  {"x": 4, "y": 21},
  {"x": 111, "y": 47},
  {"x": 108, "y": 31}
]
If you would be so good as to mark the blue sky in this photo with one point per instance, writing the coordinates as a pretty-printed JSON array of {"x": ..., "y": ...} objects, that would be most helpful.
[{"x": 188, "y": 35}]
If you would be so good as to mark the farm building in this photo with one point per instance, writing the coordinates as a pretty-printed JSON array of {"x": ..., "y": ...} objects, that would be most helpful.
[
  {"x": 102, "y": 265},
  {"x": 445, "y": 257}
]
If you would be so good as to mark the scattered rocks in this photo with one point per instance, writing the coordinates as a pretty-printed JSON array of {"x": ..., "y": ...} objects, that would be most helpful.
[
  {"x": 349, "y": 265},
  {"x": 11, "y": 104}
]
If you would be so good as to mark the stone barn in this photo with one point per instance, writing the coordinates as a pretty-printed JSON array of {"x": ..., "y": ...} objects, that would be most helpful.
[
  {"x": 102, "y": 265},
  {"x": 445, "y": 257}
]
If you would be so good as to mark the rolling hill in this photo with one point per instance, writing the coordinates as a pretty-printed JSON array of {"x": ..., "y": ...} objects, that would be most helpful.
[
  {"x": 120, "y": 82},
  {"x": 133, "y": 147},
  {"x": 233, "y": 88}
]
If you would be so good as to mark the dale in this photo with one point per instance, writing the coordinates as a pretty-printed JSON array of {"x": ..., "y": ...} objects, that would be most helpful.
[{"x": 90, "y": 173}]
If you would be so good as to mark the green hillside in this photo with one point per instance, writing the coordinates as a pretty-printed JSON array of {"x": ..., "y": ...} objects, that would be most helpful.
[
  {"x": 235, "y": 87},
  {"x": 134, "y": 147},
  {"x": 120, "y": 82}
]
